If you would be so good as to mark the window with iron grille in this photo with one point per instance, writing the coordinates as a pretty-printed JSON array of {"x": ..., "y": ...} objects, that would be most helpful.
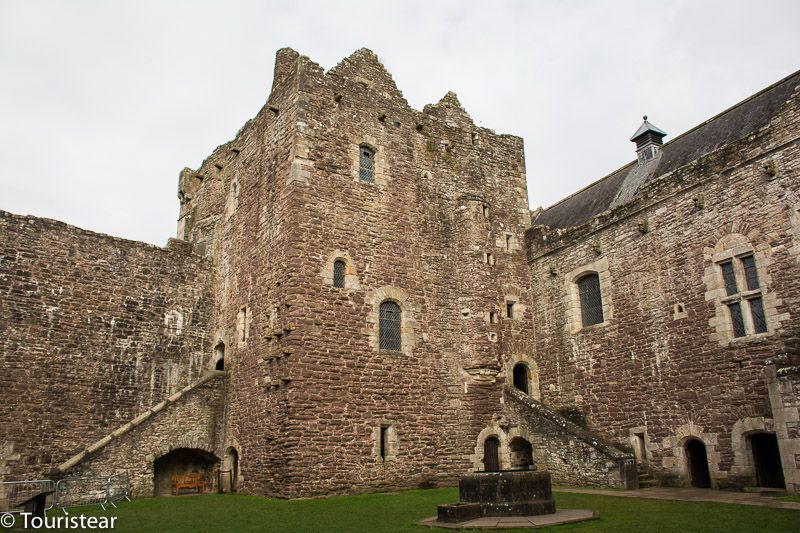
[
  {"x": 338, "y": 273},
  {"x": 366, "y": 164},
  {"x": 743, "y": 296},
  {"x": 389, "y": 326},
  {"x": 591, "y": 299}
]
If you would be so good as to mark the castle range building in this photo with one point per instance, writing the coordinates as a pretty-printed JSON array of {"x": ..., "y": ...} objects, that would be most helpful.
[{"x": 359, "y": 299}]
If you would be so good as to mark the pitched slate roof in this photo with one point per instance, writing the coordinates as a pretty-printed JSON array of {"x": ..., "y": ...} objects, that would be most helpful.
[{"x": 731, "y": 125}]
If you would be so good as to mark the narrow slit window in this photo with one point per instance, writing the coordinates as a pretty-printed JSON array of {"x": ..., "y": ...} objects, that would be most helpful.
[
  {"x": 366, "y": 164},
  {"x": 338, "y": 273},
  {"x": 591, "y": 299},
  {"x": 241, "y": 324},
  {"x": 389, "y": 325},
  {"x": 510, "y": 309},
  {"x": 508, "y": 242},
  {"x": 384, "y": 441}
]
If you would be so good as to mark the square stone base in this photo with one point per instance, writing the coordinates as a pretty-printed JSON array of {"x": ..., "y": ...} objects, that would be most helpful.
[{"x": 562, "y": 516}]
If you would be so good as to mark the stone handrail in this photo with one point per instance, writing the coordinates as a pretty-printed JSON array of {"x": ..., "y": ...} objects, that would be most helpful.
[{"x": 568, "y": 427}]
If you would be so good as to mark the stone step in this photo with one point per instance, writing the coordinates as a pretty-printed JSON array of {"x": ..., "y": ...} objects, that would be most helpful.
[{"x": 766, "y": 491}]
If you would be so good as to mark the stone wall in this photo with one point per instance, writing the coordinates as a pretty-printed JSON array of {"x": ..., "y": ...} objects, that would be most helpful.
[
  {"x": 240, "y": 211},
  {"x": 783, "y": 385},
  {"x": 194, "y": 422},
  {"x": 96, "y": 330},
  {"x": 664, "y": 363}
]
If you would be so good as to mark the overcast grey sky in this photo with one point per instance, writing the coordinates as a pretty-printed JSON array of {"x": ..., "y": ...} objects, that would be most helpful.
[{"x": 103, "y": 102}]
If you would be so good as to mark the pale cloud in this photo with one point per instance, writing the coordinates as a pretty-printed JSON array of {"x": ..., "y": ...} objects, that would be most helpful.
[{"x": 102, "y": 103}]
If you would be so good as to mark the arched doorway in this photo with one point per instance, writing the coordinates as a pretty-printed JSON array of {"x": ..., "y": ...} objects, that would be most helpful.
[
  {"x": 767, "y": 460},
  {"x": 521, "y": 454},
  {"x": 179, "y": 462},
  {"x": 491, "y": 454},
  {"x": 229, "y": 474},
  {"x": 697, "y": 463},
  {"x": 219, "y": 356},
  {"x": 521, "y": 377}
]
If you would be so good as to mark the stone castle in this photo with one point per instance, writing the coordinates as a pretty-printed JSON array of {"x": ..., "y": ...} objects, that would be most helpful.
[{"x": 360, "y": 299}]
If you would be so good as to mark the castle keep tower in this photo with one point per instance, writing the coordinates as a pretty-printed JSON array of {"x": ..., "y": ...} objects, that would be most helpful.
[{"x": 367, "y": 257}]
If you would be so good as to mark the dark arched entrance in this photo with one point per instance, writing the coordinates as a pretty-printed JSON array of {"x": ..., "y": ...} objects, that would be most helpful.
[
  {"x": 521, "y": 377},
  {"x": 491, "y": 454},
  {"x": 521, "y": 454},
  {"x": 767, "y": 460},
  {"x": 180, "y": 462},
  {"x": 697, "y": 462}
]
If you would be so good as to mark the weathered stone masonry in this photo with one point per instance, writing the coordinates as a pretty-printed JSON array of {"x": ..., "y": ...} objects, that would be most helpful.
[
  {"x": 238, "y": 347},
  {"x": 666, "y": 364},
  {"x": 96, "y": 330}
]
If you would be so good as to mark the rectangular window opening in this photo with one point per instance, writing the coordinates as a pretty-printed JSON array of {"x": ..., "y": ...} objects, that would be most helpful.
[
  {"x": 492, "y": 317},
  {"x": 242, "y": 324},
  {"x": 729, "y": 277},
  {"x": 510, "y": 309},
  {"x": 384, "y": 441},
  {"x": 757, "y": 312},
  {"x": 750, "y": 272},
  {"x": 366, "y": 165},
  {"x": 736, "y": 319},
  {"x": 508, "y": 242},
  {"x": 591, "y": 300}
]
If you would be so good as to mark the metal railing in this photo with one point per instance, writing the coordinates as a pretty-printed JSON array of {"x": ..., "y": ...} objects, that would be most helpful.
[
  {"x": 82, "y": 491},
  {"x": 15, "y": 494},
  {"x": 118, "y": 488}
]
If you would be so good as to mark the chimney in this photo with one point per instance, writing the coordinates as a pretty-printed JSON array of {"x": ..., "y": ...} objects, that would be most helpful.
[{"x": 648, "y": 141}]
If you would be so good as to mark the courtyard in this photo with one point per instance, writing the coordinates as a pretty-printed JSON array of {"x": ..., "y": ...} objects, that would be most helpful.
[{"x": 399, "y": 511}]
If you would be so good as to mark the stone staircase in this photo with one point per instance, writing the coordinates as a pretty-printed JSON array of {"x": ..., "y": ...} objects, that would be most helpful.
[
  {"x": 646, "y": 479},
  {"x": 577, "y": 456}
]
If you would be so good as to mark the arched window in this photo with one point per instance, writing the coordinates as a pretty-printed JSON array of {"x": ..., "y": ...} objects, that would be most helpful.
[
  {"x": 591, "y": 299},
  {"x": 366, "y": 164},
  {"x": 390, "y": 317},
  {"x": 338, "y": 273}
]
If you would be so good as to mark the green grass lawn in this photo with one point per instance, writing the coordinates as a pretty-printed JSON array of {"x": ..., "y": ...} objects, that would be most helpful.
[{"x": 400, "y": 511}]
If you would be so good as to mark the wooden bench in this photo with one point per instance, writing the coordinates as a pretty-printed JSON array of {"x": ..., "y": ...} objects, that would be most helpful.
[{"x": 187, "y": 481}]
